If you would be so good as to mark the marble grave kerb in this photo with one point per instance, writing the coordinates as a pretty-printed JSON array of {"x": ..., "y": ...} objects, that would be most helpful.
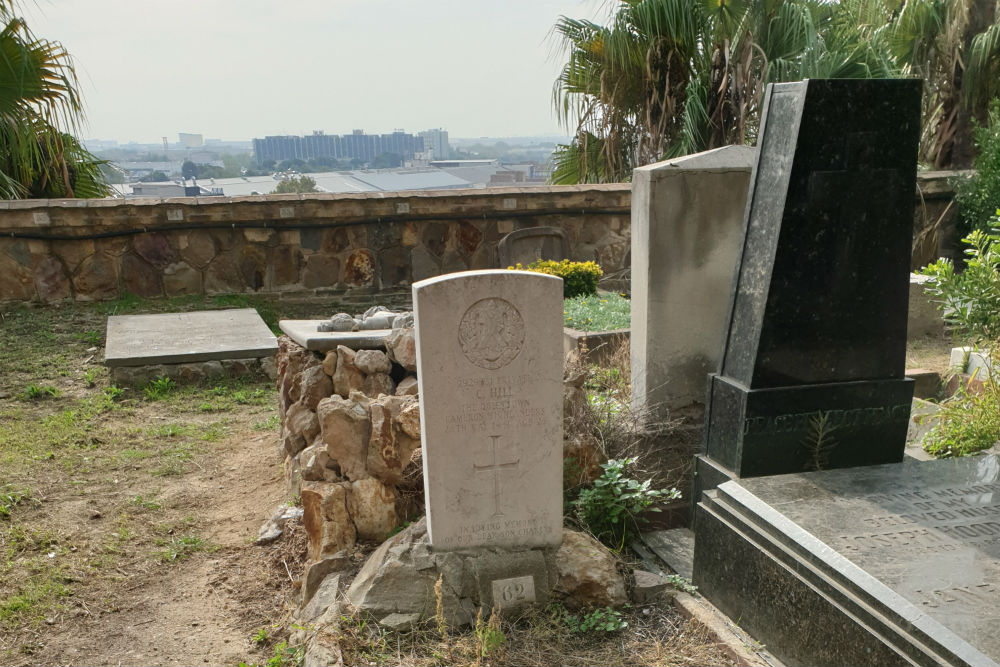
[{"x": 489, "y": 366}]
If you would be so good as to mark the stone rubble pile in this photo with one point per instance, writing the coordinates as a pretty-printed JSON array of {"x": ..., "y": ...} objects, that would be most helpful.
[{"x": 350, "y": 438}]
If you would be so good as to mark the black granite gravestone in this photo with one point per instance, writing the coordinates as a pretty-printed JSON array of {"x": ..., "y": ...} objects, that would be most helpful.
[
  {"x": 895, "y": 564},
  {"x": 813, "y": 369}
]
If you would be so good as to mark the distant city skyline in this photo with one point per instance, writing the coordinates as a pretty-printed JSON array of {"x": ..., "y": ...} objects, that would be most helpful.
[{"x": 239, "y": 69}]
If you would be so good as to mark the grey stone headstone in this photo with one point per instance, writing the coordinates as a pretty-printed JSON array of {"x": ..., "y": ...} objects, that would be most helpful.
[
  {"x": 687, "y": 234},
  {"x": 172, "y": 338},
  {"x": 528, "y": 245},
  {"x": 489, "y": 365}
]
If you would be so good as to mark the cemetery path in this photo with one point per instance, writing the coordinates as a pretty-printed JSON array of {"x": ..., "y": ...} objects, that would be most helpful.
[{"x": 201, "y": 607}]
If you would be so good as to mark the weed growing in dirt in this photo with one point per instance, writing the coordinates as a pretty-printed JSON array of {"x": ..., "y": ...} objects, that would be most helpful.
[
  {"x": 36, "y": 392},
  {"x": 269, "y": 424},
  {"x": 90, "y": 337},
  {"x": 11, "y": 498},
  {"x": 146, "y": 503},
  {"x": 158, "y": 389},
  {"x": 180, "y": 547},
  {"x": 284, "y": 656},
  {"x": 489, "y": 636},
  {"x": 602, "y": 619},
  {"x": 612, "y": 509},
  {"x": 33, "y": 600}
]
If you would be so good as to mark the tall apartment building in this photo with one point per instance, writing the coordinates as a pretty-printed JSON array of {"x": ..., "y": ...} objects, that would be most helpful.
[
  {"x": 356, "y": 145},
  {"x": 437, "y": 140}
]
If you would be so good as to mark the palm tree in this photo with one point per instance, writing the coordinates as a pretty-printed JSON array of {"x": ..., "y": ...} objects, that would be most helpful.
[
  {"x": 673, "y": 77},
  {"x": 954, "y": 45},
  {"x": 40, "y": 109}
]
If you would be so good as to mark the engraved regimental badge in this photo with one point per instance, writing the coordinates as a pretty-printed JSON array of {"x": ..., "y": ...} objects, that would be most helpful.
[{"x": 491, "y": 333}]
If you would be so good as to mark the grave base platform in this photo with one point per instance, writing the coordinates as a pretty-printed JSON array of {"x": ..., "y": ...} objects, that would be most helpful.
[
  {"x": 774, "y": 431},
  {"x": 194, "y": 372},
  {"x": 880, "y": 565}
]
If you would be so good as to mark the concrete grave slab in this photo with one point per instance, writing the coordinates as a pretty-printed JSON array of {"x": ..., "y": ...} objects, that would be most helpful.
[
  {"x": 172, "y": 338},
  {"x": 305, "y": 334}
]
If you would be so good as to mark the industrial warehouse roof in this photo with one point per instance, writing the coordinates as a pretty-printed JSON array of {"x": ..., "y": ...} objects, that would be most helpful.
[{"x": 387, "y": 180}]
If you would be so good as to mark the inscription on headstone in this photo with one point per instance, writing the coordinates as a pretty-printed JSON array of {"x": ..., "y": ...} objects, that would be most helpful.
[{"x": 489, "y": 364}]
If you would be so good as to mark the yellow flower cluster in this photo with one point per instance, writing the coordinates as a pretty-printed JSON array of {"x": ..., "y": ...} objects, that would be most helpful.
[{"x": 579, "y": 278}]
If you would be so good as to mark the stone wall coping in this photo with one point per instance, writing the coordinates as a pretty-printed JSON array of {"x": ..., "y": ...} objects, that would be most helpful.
[
  {"x": 313, "y": 196},
  {"x": 290, "y": 210}
]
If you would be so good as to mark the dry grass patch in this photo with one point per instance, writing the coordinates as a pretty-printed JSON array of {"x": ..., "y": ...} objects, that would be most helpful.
[{"x": 655, "y": 635}]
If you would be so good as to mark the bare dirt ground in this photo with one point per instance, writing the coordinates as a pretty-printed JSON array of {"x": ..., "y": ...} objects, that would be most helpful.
[
  {"x": 127, "y": 521},
  {"x": 201, "y": 609},
  {"x": 192, "y": 609}
]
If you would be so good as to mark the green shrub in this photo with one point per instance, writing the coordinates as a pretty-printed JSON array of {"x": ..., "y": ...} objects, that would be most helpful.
[
  {"x": 977, "y": 196},
  {"x": 967, "y": 422},
  {"x": 579, "y": 278},
  {"x": 612, "y": 509},
  {"x": 970, "y": 300}
]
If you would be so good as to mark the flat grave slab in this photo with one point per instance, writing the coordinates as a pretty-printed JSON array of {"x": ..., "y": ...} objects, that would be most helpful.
[
  {"x": 305, "y": 334},
  {"x": 888, "y": 564},
  {"x": 174, "y": 338}
]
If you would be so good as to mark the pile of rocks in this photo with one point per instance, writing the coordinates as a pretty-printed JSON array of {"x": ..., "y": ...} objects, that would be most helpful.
[{"x": 350, "y": 438}]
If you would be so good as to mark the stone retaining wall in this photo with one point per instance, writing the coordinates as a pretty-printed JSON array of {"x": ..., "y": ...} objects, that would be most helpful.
[
  {"x": 347, "y": 246},
  {"x": 324, "y": 244}
]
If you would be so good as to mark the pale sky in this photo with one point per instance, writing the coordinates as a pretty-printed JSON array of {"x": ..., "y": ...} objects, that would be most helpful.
[{"x": 237, "y": 69}]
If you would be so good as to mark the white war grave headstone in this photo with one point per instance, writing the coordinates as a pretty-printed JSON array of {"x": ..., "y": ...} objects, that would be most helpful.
[{"x": 489, "y": 365}]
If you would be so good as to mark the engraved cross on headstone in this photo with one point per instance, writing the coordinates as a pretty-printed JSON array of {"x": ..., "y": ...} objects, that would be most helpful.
[{"x": 496, "y": 468}]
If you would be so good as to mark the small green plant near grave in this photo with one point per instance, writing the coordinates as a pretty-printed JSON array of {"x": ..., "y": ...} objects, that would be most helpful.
[
  {"x": 180, "y": 547},
  {"x": 36, "y": 392},
  {"x": 159, "y": 389},
  {"x": 146, "y": 503},
  {"x": 284, "y": 656},
  {"x": 113, "y": 393},
  {"x": 967, "y": 423},
  {"x": 269, "y": 424},
  {"x": 214, "y": 432},
  {"x": 612, "y": 509},
  {"x": 11, "y": 498},
  {"x": 682, "y": 584},
  {"x": 970, "y": 300},
  {"x": 819, "y": 441},
  {"x": 260, "y": 637},
  {"x": 579, "y": 278},
  {"x": 89, "y": 337},
  {"x": 596, "y": 621},
  {"x": 489, "y": 637},
  {"x": 601, "y": 312},
  {"x": 90, "y": 377},
  {"x": 170, "y": 430}
]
